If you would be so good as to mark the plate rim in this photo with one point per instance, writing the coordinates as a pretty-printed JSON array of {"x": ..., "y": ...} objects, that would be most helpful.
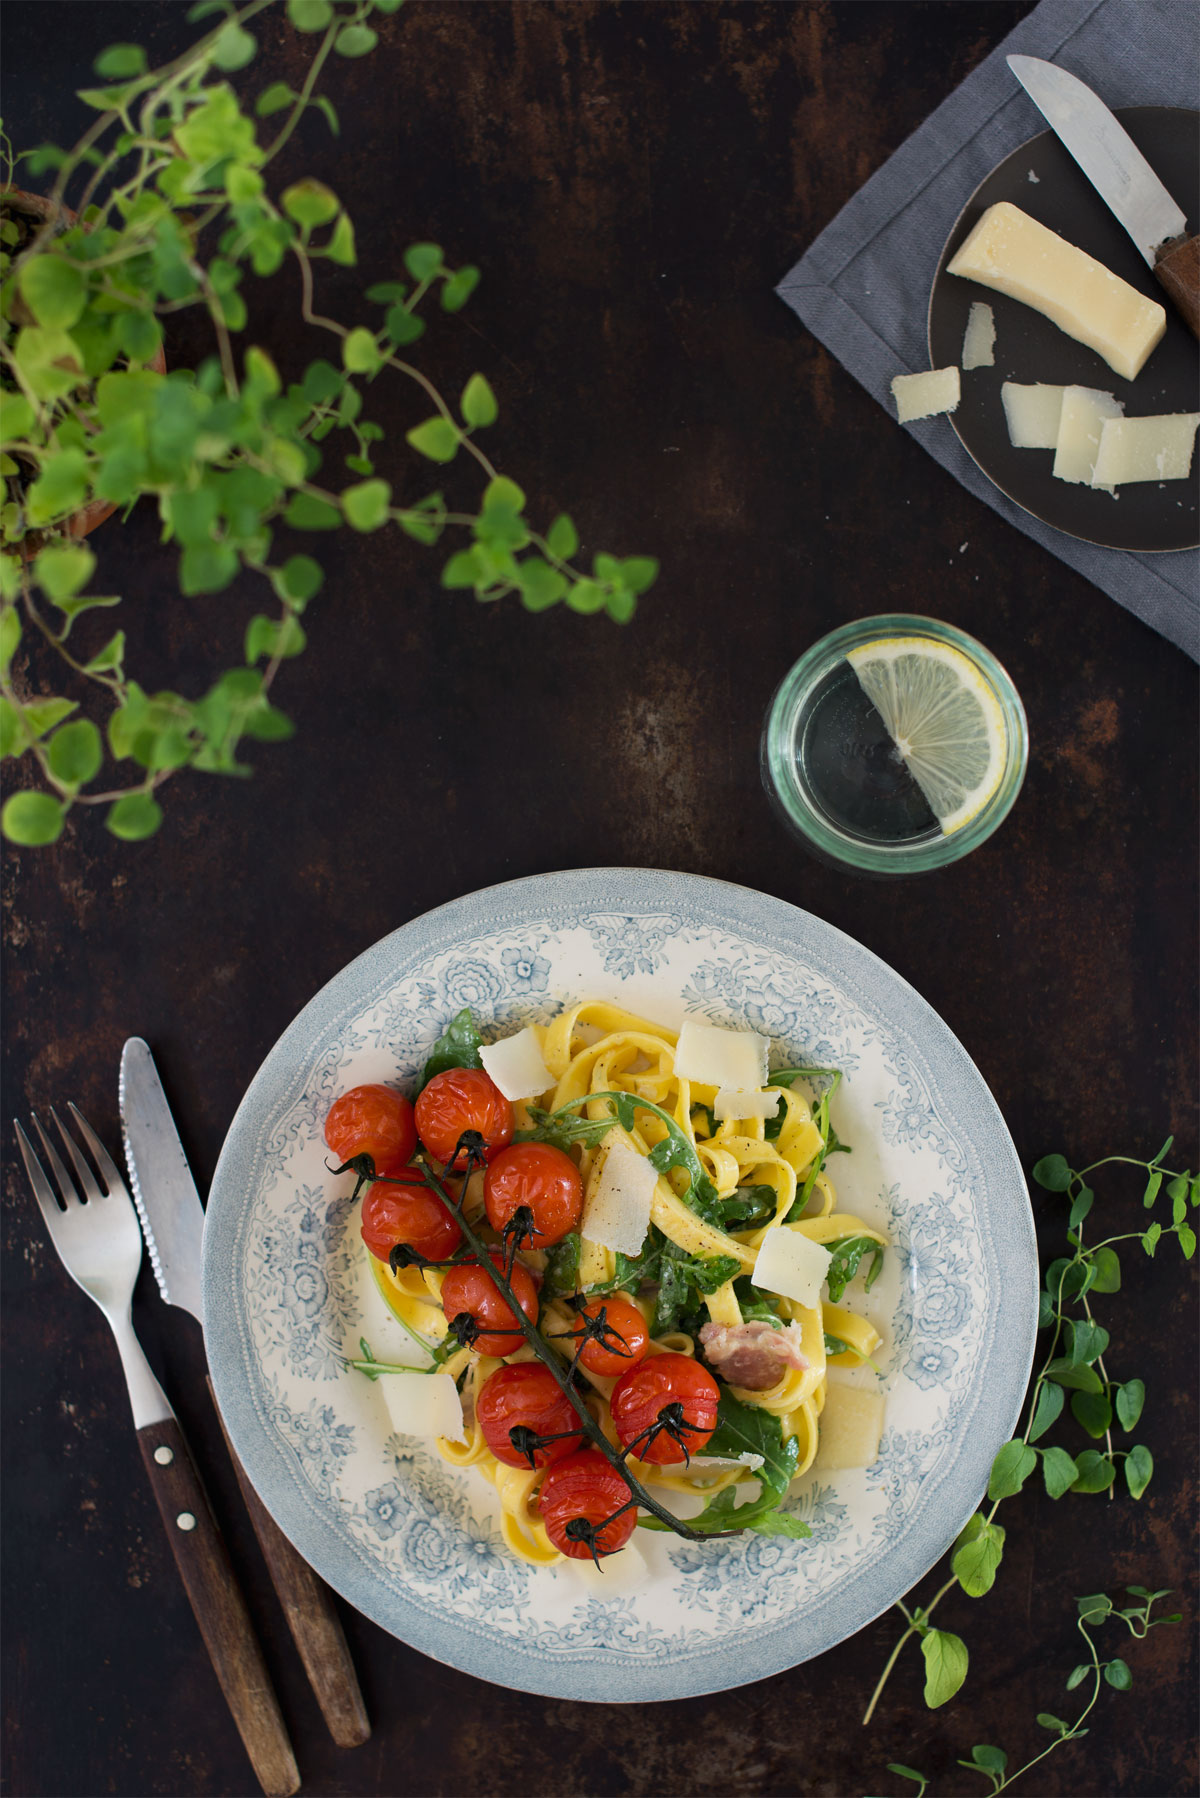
[
  {"x": 301, "y": 1514},
  {"x": 1021, "y": 149}
]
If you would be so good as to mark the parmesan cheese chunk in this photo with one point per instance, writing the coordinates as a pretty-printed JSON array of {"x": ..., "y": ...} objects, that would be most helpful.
[
  {"x": 1145, "y": 449},
  {"x": 1084, "y": 411},
  {"x": 979, "y": 341},
  {"x": 922, "y": 396},
  {"x": 424, "y": 1404},
  {"x": 616, "y": 1211},
  {"x": 850, "y": 1429},
  {"x": 792, "y": 1265},
  {"x": 516, "y": 1065},
  {"x": 1012, "y": 253},
  {"x": 709, "y": 1056},
  {"x": 1032, "y": 414},
  {"x": 726, "y": 1463},
  {"x": 732, "y": 1103}
]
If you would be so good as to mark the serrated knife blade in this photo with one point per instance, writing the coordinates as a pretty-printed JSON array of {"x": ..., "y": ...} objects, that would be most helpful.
[{"x": 164, "y": 1192}]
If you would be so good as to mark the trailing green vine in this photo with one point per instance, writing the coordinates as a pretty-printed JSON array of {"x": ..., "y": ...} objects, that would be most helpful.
[
  {"x": 173, "y": 212},
  {"x": 1074, "y": 1361}
]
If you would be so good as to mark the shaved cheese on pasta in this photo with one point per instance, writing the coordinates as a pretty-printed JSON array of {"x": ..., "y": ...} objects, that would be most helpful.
[
  {"x": 792, "y": 1265},
  {"x": 722, "y": 1463},
  {"x": 851, "y": 1428},
  {"x": 424, "y": 1404},
  {"x": 516, "y": 1065},
  {"x": 731, "y": 1102},
  {"x": 710, "y": 1056},
  {"x": 616, "y": 1212}
]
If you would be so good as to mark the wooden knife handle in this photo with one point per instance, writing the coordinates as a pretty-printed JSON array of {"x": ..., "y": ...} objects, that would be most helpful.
[
  {"x": 219, "y": 1606},
  {"x": 1178, "y": 269},
  {"x": 308, "y": 1606}
]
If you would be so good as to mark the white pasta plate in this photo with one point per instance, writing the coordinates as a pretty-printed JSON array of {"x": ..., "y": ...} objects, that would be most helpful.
[{"x": 414, "y": 1543}]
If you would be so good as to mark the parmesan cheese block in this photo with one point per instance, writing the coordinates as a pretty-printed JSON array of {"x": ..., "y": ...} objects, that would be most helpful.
[
  {"x": 850, "y": 1429},
  {"x": 731, "y": 1104},
  {"x": 616, "y": 1211},
  {"x": 1084, "y": 411},
  {"x": 1032, "y": 414},
  {"x": 1012, "y": 253},
  {"x": 792, "y": 1265},
  {"x": 709, "y": 1056},
  {"x": 979, "y": 340},
  {"x": 424, "y": 1404},
  {"x": 516, "y": 1065},
  {"x": 922, "y": 396},
  {"x": 1145, "y": 449}
]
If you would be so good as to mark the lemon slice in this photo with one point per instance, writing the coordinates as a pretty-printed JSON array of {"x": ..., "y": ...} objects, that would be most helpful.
[{"x": 943, "y": 717}]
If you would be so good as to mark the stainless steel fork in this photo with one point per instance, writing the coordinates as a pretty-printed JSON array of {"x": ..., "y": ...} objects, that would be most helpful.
[{"x": 99, "y": 1242}]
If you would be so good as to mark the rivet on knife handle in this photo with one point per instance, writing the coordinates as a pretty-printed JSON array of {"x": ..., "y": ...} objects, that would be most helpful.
[
  {"x": 1177, "y": 267},
  {"x": 308, "y": 1606},
  {"x": 219, "y": 1607}
]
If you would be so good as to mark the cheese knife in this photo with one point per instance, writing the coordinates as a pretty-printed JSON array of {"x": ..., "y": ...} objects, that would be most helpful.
[
  {"x": 172, "y": 1219},
  {"x": 1121, "y": 176}
]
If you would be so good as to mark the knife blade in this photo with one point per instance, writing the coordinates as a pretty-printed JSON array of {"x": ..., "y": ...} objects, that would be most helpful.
[
  {"x": 1121, "y": 176},
  {"x": 172, "y": 1219}
]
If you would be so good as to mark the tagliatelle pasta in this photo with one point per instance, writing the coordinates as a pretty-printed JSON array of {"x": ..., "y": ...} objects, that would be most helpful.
[{"x": 718, "y": 1188}]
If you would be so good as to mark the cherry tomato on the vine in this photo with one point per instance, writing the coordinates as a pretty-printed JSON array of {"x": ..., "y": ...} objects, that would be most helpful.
[
  {"x": 374, "y": 1121},
  {"x": 640, "y": 1394},
  {"x": 526, "y": 1392},
  {"x": 408, "y": 1213},
  {"x": 461, "y": 1099},
  {"x": 540, "y": 1176},
  {"x": 624, "y": 1340},
  {"x": 469, "y": 1287},
  {"x": 586, "y": 1485}
]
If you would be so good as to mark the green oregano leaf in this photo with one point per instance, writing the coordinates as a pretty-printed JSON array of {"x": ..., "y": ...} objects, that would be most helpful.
[
  {"x": 977, "y": 1556},
  {"x": 1139, "y": 1470},
  {"x": 32, "y": 819},
  {"x": 1047, "y": 1409},
  {"x": 1129, "y": 1401},
  {"x": 1093, "y": 1411},
  {"x": 1052, "y": 1173},
  {"x": 1094, "y": 1472},
  {"x": 1010, "y": 1469},
  {"x": 946, "y": 1662},
  {"x": 1058, "y": 1471},
  {"x": 1118, "y": 1676}
]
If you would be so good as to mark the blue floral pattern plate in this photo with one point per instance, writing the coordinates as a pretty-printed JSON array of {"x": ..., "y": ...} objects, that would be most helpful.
[{"x": 414, "y": 1543}]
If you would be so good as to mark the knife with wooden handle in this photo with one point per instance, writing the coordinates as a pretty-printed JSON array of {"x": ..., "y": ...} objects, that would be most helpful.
[
  {"x": 1121, "y": 176},
  {"x": 172, "y": 1219}
]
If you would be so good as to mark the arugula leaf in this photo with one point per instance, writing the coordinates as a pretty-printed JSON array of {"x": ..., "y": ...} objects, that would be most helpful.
[
  {"x": 457, "y": 1047},
  {"x": 561, "y": 1131},
  {"x": 848, "y": 1252},
  {"x": 740, "y": 1428},
  {"x": 829, "y": 1136},
  {"x": 562, "y": 1266},
  {"x": 682, "y": 1280},
  {"x": 756, "y": 1306},
  {"x": 748, "y": 1207}
]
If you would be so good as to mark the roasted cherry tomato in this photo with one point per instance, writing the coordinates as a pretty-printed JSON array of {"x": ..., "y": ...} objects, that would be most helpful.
[
  {"x": 461, "y": 1099},
  {"x": 622, "y": 1342},
  {"x": 527, "y": 1393},
  {"x": 640, "y": 1394},
  {"x": 586, "y": 1485},
  {"x": 542, "y": 1177},
  {"x": 408, "y": 1213},
  {"x": 470, "y": 1288},
  {"x": 374, "y": 1121}
]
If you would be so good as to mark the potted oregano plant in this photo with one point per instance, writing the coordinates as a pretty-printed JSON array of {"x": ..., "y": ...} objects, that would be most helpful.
[{"x": 165, "y": 205}]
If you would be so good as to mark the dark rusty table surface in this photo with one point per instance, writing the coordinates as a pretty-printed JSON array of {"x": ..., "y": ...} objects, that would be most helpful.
[{"x": 633, "y": 181}]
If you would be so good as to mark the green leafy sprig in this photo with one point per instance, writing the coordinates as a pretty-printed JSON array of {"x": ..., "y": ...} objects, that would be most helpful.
[
  {"x": 172, "y": 213},
  {"x": 1073, "y": 1361}
]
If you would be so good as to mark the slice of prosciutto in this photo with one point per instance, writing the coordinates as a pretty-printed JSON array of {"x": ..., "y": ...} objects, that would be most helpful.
[{"x": 754, "y": 1355}]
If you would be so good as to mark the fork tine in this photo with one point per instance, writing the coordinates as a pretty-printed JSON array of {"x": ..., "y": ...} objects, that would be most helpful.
[
  {"x": 104, "y": 1161},
  {"x": 87, "y": 1178},
  {"x": 66, "y": 1185},
  {"x": 43, "y": 1192}
]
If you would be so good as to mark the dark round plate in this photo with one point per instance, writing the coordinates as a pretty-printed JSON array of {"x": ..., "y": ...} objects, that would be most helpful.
[{"x": 1145, "y": 515}]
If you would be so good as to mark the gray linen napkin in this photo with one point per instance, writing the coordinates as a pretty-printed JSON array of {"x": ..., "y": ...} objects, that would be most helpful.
[{"x": 863, "y": 287}]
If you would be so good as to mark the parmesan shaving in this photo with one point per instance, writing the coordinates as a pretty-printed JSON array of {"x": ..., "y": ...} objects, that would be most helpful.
[
  {"x": 616, "y": 1211},
  {"x": 516, "y": 1065},
  {"x": 922, "y": 396},
  {"x": 979, "y": 343},
  {"x": 709, "y": 1056},
  {"x": 793, "y": 1265},
  {"x": 731, "y": 1103},
  {"x": 424, "y": 1404}
]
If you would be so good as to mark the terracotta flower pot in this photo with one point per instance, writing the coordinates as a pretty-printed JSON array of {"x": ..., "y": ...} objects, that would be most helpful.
[{"x": 79, "y": 524}]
